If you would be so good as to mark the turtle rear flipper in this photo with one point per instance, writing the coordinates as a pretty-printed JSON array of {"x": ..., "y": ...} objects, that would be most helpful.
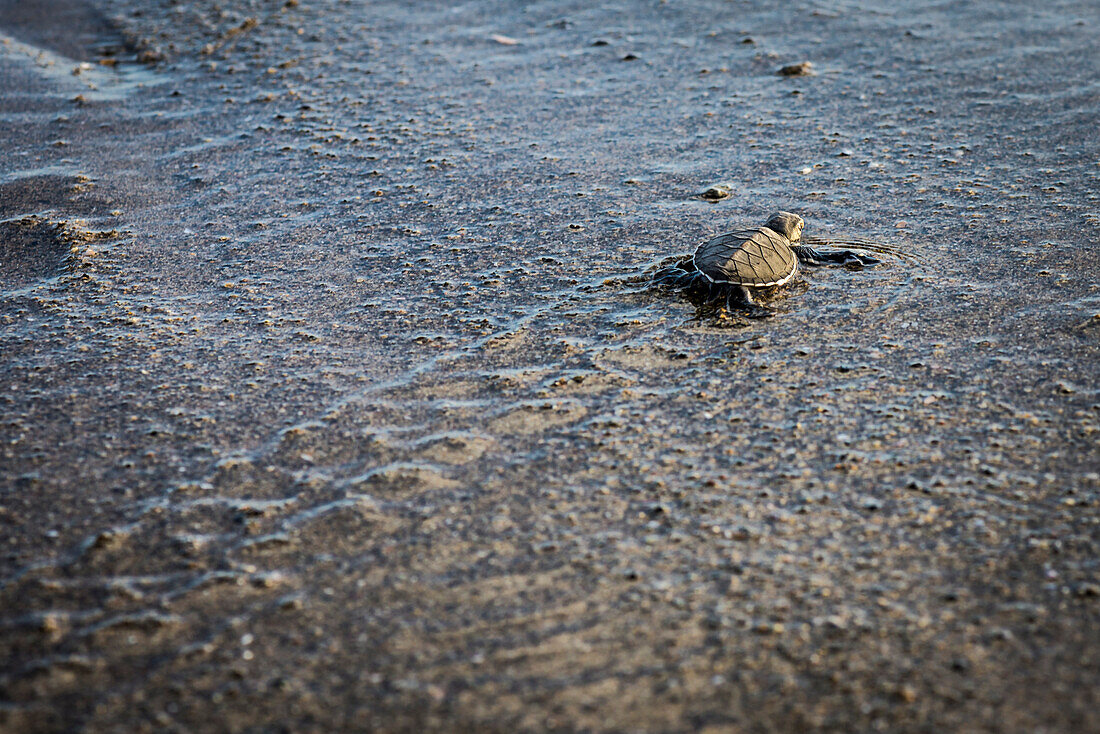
[{"x": 676, "y": 276}]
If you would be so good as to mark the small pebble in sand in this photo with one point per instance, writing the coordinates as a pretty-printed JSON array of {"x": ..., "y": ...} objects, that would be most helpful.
[
  {"x": 802, "y": 69},
  {"x": 150, "y": 56},
  {"x": 717, "y": 191}
]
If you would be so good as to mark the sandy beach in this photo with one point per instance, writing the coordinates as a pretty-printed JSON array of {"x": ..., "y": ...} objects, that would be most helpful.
[{"x": 333, "y": 396}]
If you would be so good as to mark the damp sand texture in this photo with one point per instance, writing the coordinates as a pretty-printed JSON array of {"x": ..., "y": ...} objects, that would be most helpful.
[{"x": 331, "y": 401}]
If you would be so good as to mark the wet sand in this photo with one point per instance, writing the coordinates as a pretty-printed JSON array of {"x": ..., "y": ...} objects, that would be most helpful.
[{"x": 333, "y": 398}]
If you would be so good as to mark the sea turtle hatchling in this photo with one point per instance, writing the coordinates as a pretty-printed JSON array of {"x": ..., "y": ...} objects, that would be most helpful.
[{"x": 734, "y": 266}]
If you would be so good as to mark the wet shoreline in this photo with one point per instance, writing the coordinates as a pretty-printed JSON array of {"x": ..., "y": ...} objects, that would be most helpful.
[{"x": 330, "y": 395}]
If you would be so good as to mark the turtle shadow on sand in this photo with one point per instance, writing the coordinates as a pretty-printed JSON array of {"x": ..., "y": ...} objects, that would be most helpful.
[{"x": 741, "y": 272}]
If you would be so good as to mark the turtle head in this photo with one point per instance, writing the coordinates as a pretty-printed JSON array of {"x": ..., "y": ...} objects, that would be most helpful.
[{"x": 787, "y": 224}]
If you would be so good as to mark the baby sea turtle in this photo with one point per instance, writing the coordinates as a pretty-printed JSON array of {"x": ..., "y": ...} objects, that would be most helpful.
[{"x": 735, "y": 266}]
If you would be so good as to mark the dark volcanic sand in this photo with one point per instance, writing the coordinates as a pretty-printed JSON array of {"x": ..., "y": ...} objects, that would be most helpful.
[{"x": 328, "y": 401}]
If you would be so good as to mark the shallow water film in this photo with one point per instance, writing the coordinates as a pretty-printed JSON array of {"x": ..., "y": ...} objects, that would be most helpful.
[{"x": 333, "y": 395}]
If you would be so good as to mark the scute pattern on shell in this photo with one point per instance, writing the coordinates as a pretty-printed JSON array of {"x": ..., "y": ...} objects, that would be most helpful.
[{"x": 753, "y": 257}]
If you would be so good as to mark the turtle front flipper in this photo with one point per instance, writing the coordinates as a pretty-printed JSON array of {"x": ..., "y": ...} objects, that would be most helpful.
[
  {"x": 740, "y": 299},
  {"x": 810, "y": 256}
]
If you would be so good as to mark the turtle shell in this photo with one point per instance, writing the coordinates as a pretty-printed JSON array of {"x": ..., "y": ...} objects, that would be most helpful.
[{"x": 756, "y": 258}]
